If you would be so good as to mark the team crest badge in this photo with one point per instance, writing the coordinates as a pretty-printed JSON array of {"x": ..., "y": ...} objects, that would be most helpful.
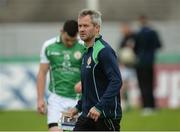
[{"x": 77, "y": 55}]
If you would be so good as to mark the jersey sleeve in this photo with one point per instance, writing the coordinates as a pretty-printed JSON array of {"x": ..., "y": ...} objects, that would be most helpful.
[{"x": 43, "y": 57}]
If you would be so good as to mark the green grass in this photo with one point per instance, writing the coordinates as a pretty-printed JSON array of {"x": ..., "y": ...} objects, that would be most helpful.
[
  {"x": 162, "y": 120},
  {"x": 22, "y": 120}
]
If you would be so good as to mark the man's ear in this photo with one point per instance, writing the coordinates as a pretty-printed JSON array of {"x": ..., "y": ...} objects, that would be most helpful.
[
  {"x": 97, "y": 26},
  {"x": 97, "y": 29}
]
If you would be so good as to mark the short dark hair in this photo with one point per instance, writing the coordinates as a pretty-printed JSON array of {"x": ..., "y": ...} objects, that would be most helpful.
[{"x": 71, "y": 27}]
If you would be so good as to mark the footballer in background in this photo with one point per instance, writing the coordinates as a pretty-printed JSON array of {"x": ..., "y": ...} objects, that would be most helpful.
[{"x": 62, "y": 57}]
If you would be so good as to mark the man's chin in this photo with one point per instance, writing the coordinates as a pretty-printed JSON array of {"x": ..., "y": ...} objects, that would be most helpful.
[{"x": 83, "y": 38}]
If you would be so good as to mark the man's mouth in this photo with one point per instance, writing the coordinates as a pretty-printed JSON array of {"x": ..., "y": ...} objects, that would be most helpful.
[{"x": 82, "y": 34}]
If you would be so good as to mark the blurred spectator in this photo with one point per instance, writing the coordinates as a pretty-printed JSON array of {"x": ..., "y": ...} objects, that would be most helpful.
[
  {"x": 147, "y": 43},
  {"x": 127, "y": 61},
  {"x": 128, "y": 39}
]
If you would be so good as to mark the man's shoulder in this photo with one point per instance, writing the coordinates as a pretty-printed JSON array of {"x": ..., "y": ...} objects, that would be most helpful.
[
  {"x": 101, "y": 47},
  {"x": 107, "y": 50},
  {"x": 49, "y": 42},
  {"x": 104, "y": 45}
]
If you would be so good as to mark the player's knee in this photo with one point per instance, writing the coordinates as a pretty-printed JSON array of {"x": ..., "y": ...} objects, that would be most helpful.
[{"x": 53, "y": 127}]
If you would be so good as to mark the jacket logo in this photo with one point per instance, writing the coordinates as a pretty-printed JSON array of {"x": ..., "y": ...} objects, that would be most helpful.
[{"x": 88, "y": 63}]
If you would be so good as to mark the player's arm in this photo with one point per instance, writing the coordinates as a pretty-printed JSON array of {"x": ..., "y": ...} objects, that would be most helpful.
[{"x": 41, "y": 82}]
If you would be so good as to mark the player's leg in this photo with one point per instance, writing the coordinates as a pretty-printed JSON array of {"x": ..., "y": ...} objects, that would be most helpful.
[
  {"x": 53, "y": 127},
  {"x": 53, "y": 113},
  {"x": 124, "y": 88},
  {"x": 57, "y": 105}
]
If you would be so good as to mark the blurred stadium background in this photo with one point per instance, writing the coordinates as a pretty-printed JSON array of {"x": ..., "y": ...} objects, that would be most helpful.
[{"x": 26, "y": 24}]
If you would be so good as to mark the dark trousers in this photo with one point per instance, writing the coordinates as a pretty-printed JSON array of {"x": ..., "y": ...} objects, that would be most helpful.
[
  {"x": 87, "y": 124},
  {"x": 145, "y": 76}
]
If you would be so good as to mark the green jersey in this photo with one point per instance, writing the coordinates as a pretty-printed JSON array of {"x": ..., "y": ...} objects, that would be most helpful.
[{"x": 64, "y": 65}]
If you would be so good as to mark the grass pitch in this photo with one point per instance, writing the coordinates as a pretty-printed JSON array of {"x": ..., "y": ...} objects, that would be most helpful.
[
  {"x": 22, "y": 121},
  {"x": 162, "y": 120}
]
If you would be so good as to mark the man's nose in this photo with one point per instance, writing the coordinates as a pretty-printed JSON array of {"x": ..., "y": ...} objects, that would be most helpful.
[{"x": 81, "y": 29}]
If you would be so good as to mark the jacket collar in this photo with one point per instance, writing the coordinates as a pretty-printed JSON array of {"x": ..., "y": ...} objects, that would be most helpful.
[{"x": 98, "y": 37}]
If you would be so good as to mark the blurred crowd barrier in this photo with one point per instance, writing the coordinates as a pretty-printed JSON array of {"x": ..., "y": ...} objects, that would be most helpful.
[
  {"x": 18, "y": 86},
  {"x": 167, "y": 84}
]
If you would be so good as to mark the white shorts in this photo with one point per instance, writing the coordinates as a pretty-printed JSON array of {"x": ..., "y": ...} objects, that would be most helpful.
[{"x": 56, "y": 105}]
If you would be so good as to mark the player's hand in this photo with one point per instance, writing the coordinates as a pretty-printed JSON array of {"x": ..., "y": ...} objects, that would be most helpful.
[
  {"x": 94, "y": 114},
  {"x": 72, "y": 112},
  {"x": 78, "y": 87},
  {"x": 41, "y": 106}
]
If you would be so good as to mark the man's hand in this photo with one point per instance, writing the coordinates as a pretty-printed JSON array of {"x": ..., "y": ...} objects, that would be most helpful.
[
  {"x": 94, "y": 114},
  {"x": 41, "y": 106},
  {"x": 72, "y": 112},
  {"x": 78, "y": 87}
]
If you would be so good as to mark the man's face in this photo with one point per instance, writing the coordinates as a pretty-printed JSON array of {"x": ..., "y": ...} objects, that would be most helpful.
[
  {"x": 87, "y": 30},
  {"x": 68, "y": 40},
  {"x": 125, "y": 29}
]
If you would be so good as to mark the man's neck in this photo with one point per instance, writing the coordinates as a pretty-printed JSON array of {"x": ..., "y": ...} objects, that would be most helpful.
[{"x": 90, "y": 42}]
